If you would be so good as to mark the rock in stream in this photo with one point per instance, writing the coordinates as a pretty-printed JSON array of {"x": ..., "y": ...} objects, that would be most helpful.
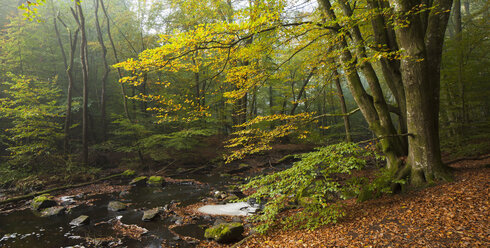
[{"x": 116, "y": 206}]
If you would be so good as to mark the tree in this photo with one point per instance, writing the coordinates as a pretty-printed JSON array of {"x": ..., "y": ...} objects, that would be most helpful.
[
  {"x": 419, "y": 35},
  {"x": 106, "y": 70},
  {"x": 69, "y": 64},
  {"x": 80, "y": 18},
  {"x": 33, "y": 111}
]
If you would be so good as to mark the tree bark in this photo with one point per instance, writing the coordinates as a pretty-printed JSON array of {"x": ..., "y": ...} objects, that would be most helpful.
[
  {"x": 119, "y": 72},
  {"x": 301, "y": 91},
  {"x": 420, "y": 68},
  {"x": 105, "y": 73},
  {"x": 373, "y": 108},
  {"x": 83, "y": 60},
  {"x": 343, "y": 106},
  {"x": 69, "y": 73},
  {"x": 420, "y": 36}
]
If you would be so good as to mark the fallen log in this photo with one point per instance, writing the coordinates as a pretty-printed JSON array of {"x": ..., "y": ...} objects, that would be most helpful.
[{"x": 34, "y": 194}]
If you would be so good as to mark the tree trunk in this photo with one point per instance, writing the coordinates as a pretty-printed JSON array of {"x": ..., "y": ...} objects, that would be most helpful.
[
  {"x": 420, "y": 68},
  {"x": 373, "y": 108},
  {"x": 343, "y": 106},
  {"x": 106, "y": 72},
  {"x": 69, "y": 72},
  {"x": 301, "y": 91},
  {"x": 420, "y": 37},
  {"x": 83, "y": 59},
  {"x": 119, "y": 72}
]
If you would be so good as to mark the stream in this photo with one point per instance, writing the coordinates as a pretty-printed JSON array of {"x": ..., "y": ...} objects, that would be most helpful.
[{"x": 22, "y": 229}]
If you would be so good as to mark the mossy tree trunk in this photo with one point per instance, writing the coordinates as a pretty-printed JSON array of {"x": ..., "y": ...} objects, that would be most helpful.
[
  {"x": 421, "y": 42},
  {"x": 413, "y": 81}
]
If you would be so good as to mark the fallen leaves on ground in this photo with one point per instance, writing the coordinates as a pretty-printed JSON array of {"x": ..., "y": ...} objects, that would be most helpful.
[
  {"x": 453, "y": 214},
  {"x": 131, "y": 231}
]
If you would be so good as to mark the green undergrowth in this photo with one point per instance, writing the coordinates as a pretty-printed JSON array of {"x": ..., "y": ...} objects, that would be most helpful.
[{"x": 315, "y": 184}]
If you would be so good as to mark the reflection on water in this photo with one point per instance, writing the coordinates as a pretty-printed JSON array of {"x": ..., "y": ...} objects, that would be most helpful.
[{"x": 22, "y": 229}]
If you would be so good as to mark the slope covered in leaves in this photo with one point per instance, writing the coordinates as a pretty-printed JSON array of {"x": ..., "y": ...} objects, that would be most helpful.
[{"x": 453, "y": 214}]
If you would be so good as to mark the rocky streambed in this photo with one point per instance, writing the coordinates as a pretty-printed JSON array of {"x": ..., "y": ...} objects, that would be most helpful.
[{"x": 151, "y": 214}]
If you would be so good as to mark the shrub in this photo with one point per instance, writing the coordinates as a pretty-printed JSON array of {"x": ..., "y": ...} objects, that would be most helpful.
[{"x": 313, "y": 177}]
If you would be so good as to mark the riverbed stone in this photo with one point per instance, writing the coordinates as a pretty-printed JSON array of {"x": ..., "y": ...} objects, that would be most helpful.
[
  {"x": 225, "y": 232},
  {"x": 124, "y": 193},
  {"x": 151, "y": 214},
  {"x": 139, "y": 181},
  {"x": 80, "y": 220},
  {"x": 156, "y": 181},
  {"x": 52, "y": 211},
  {"x": 116, "y": 206},
  {"x": 42, "y": 201}
]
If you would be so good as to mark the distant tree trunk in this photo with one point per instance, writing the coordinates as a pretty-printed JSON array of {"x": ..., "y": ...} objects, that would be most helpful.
[
  {"x": 458, "y": 35},
  {"x": 240, "y": 110},
  {"x": 343, "y": 106},
  {"x": 271, "y": 100},
  {"x": 119, "y": 72},
  {"x": 301, "y": 91},
  {"x": 69, "y": 72},
  {"x": 106, "y": 72},
  {"x": 83, "y": 59},
  {"x": 253, "y": 105}
]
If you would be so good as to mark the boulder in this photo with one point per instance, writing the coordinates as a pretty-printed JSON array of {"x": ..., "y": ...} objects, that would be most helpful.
[
  {"x": 42, "y": 201},
  {"x": 80, "y": 220},
  {"x": 116, "y": 206},
  {"x": 151, "y": 214},
  {"x": 225, "y": 232},
  {"x": 52, "y": 211},
  {"x": 139, "y": 181},
  {"x": 156, "y": 181}
]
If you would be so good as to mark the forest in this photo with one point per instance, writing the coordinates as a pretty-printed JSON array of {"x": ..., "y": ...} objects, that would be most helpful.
[{"x": 219, "y": 123}]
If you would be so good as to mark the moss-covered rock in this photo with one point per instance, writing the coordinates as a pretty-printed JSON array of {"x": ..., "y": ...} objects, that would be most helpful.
[
  {"x": 116, "y": 206},
  {"x": 156, "y": 181},
  {"x": 139, "y": 181},
  {"x": 225, "y": 232},
  {"x": 42, "y": 201},
  {"x": 129, "y": 173}
]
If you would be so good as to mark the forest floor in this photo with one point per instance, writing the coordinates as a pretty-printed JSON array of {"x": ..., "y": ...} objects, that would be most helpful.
[{"x": 453, "y": 214}]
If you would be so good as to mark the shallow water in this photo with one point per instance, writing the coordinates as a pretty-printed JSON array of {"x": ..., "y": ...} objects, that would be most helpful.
[{"x": 22, "y": 229}]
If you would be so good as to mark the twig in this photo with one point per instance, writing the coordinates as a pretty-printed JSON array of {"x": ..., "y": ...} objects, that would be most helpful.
[{"x": 386, "y": 136}]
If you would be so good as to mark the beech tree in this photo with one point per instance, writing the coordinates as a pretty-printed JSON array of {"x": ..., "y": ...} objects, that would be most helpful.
[{"x": 418, "y": 33}]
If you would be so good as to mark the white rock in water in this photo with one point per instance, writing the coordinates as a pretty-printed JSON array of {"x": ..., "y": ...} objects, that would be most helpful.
[
  {"x": 67, "y": 200},
  {"x": 233, "y": 209}
]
